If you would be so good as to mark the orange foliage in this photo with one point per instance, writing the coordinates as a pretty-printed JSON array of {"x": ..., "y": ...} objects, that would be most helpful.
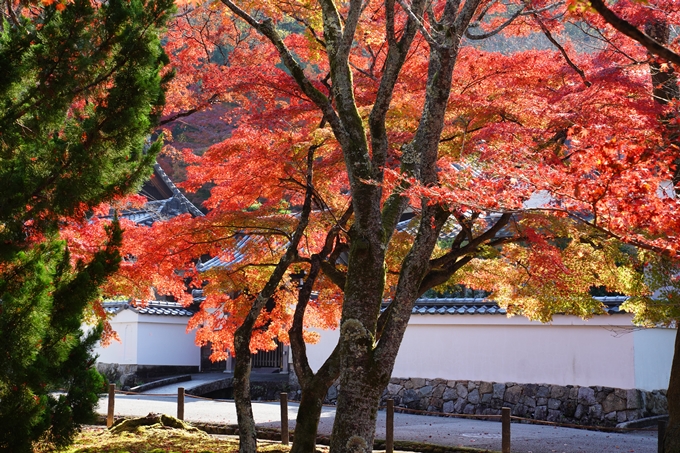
[{"x": 519, "y": 122}]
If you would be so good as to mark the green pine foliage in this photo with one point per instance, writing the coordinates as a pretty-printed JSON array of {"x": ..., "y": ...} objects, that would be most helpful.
[
  {"x": 82, "y": 89},
  {"x": 81, "y": 86}
]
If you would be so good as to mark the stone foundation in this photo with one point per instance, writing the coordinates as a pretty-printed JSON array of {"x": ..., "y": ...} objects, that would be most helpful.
[
  {"x": 126, "y": 376},
  {"x": 593, "y": 406}
]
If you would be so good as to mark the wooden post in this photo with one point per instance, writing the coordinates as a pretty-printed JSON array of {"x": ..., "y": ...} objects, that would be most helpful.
[
  {"x": 112, "y": 402},
  {"x": 505, "y": 429},
  {"x": 180, "y": 403},
  {"x": 662, "y": 435},
  {"x": 389, "y": 428},
  {"x": 284, "y": 418}
]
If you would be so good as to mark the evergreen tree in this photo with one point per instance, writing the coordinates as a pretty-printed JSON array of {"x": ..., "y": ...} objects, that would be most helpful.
[{"x": 80, "y": 88}]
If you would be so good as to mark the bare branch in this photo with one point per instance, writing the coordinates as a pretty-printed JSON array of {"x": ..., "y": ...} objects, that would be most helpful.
[
  {"x": 625, "y": 27},
  {"x": 266, "y": 28},
  {"x": 512, "y": 18},
  {"x": 549, "y": 35},
  {"x": 426, "y": 34}
]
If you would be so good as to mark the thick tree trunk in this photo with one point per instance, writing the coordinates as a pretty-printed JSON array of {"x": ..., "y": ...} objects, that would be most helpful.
[
  {"x": 354, "y": 425},
  {"x": 309, "y": 414},
  {"x": 247, "y": 434},
  {"x": 672, "y": 439},
  {"x": 358, "y": 399}
]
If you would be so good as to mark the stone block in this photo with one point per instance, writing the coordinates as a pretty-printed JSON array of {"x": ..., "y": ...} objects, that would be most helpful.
[
  {"x": 473, "y": 396},
  {"x": 586, "y": 395},
  {"x": 530, "y": 402},
  {"x": 451, "y": 383},
  {"x": 621, "y": 393},
  {"x": 542, "y": 402},
  {"x": 595, "y": 412},
  {"x": 633, "y": 399},
  {"x": 573, "y": 392},
  {"x": 461, "y": 389},
  {"x": 559, "y": 392},
  {"x": 659, "y": 403},
  {"x": 450, "y": 394},
  {"x": 512, "y": 394},
  {"x": 610, "y": 416},
  {"x": 418, "y": 382},
  {"x": 541, "y": 412},
  {"x": 472, "y": 385},
  {"x": 332, "y": 393},
  {"x": 519, "y": 410},
  {"x": 408, "y": 384},
  {"x": 554, "y": 403},
  {"x": 486, "y": 398},
  {"x": 438, "y": 391},
  {"x": 613, "y": 403},
  {"x": 425, "y": 392},
  {"x": 543, "y": 391},
  {"x": 633, "y": 414},
  {"x": 621, "y": 417},
  {"x": 498, "y": 390},
  {"x": 469, "y": 409},
  {"x": 530, "y": 390},
  {"x": 485, "y": 387},
  {"x": 460, "y": 404},
  {"x": 393, "y": 389},
  {"x": 447, "y": 407},
  {"x": 569, "y": 408},
  {"x": 579, "y": 411},
  {"x": 410, "y": 396},
  {"x": 554, "y": 415}
]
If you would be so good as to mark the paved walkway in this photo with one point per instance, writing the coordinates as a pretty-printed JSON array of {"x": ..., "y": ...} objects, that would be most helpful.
[
  {"x": 437, "y": 430},
  {"x": 200, "y": 379}
]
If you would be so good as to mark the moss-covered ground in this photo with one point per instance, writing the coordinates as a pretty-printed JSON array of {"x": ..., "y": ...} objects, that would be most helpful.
[{"x": 170, "y": 440}]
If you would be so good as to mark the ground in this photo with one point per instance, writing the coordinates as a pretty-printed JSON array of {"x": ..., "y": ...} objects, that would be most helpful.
[{"x": 171, "y": 440}]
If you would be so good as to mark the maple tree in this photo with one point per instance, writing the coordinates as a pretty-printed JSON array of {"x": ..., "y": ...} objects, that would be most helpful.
[
  {"x": 80, "y": 88},
  {"x": 524, "y": 171}
]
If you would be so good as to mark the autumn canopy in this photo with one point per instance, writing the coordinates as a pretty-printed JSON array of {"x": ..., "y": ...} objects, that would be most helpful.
[{"x": 350, "y": 156}]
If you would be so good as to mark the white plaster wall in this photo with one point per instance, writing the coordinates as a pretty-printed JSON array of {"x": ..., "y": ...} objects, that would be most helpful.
[
  {"x": 653, "y": 356},
  {"x": 163, "y": 340},
  {"x": 123, "y": 352},
  {"x": 550, "y": 354},
  {"x": 570, "y": 351},
  {"x": 318, "y": 352}
]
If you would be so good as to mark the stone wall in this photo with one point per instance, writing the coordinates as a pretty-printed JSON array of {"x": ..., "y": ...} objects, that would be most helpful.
[
  {"x": 130, "y": 375},
  {"x": 595, "y": 406}
]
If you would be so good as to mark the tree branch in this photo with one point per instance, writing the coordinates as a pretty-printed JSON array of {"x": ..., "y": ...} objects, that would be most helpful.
[
  {"x": 549, "y": 35},
  {"x": 266, "y": 28},
  {"x": 625, "y": 27}
]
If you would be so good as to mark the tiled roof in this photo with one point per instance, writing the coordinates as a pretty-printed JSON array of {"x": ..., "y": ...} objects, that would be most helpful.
[
  {"x": 478, "y": 306},
  {"x": 155, "y": 307},
  {"x": 157, "y": 210}
]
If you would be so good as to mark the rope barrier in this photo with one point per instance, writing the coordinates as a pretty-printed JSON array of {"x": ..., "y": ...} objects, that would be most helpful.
[{"x": 521, "y": 419}]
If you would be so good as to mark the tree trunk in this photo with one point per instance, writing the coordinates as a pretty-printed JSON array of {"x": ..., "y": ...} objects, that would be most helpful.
[
  {"x": 247, "y": 434},
  {"x": 665, "y": 90},
  {"x": 672, "y": 439},
  {"x": 314, "y": 386},
  {"x": 309, "y": 414},
  {"x": 359, "y": 394}
]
